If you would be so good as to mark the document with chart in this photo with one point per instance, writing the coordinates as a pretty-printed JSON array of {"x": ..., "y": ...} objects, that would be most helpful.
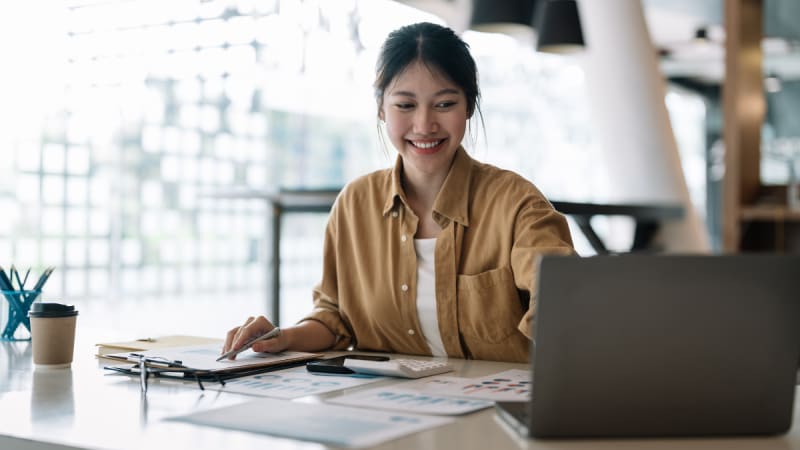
[
  {"x": 336, "y": 425},
  {"x": 292, "y": 383},
  {"x": 398, "y": 399},
  {"x": 508, "y": 386}
]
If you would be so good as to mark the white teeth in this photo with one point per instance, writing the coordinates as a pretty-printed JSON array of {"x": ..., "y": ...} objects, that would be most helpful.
[{"x": 426, "y": 144}]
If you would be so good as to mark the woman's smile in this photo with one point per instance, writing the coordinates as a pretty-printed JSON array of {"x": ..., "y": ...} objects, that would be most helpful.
[{"x": 427, "y": 147}]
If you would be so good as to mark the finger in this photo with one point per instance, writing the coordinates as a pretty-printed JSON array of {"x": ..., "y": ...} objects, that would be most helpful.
[
  {"x": 233, "y": 336},
  {"x": 254, "y": 327},
  {"x": 229, "y": 338},
  {"x": 241, "y": 335}
]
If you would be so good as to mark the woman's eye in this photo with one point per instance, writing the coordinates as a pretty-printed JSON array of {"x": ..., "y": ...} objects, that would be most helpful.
[
  {"x": 404, "y": 105},
  {"x": 447, "y": 104}
]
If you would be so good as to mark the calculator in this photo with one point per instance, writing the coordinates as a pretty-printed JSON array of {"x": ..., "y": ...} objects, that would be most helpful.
[{"x": 403, "y": 368}]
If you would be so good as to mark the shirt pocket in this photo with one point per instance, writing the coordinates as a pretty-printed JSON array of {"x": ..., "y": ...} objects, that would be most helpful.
[{"x": 489, "y": 307}]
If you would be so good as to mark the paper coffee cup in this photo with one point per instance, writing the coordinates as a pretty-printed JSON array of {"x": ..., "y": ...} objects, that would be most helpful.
[{"x": 52, "y": 334}]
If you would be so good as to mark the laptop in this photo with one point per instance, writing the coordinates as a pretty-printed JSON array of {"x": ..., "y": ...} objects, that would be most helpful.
[{"x": 643, "y": 345}]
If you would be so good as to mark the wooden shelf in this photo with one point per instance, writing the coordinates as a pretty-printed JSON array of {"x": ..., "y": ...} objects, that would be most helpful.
[
  {"x": 769, "y": 213},
  {"x": 755, "y": 217}
]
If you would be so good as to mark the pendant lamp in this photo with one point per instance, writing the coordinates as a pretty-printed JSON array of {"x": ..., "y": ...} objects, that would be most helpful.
[
  {"x": 558, "y": 26},
  {"x": 511, "y": 17}
]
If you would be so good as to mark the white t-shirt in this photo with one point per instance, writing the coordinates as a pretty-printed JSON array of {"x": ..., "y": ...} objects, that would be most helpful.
[{"x": 426, "y": 295}]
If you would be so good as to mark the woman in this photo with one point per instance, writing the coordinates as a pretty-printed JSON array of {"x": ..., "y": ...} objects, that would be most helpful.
[{"x": 435, "y": 256}]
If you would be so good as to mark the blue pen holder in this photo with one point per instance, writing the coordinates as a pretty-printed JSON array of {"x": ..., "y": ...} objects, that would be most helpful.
[{"x": 14, "y": 321}]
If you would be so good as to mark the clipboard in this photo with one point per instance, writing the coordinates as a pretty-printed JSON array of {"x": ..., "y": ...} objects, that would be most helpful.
[
  {"x": 200, "y": 360},
  {"x": 133, "y": 370}
]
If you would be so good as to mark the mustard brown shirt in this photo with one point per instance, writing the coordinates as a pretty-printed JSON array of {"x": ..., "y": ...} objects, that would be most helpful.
[{"x": 494, "y": 224}]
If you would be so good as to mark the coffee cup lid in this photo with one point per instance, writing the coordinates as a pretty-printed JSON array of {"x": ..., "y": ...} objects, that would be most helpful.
[{"x": 52, "y": 310}]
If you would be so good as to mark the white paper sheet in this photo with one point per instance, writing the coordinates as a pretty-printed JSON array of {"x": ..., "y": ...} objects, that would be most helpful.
[
  {"x": 291, "y": 383},
  {"x": 510, "y": 385},
  {"x": 407, "y": 400},
  {"x": 329, "y": 424}
]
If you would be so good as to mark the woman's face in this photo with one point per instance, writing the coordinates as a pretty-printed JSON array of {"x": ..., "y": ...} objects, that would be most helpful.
[{"x": 426, "y": 117}]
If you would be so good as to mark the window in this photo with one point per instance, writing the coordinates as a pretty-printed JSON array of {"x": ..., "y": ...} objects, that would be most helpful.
[{"x": 134, "y": 116}]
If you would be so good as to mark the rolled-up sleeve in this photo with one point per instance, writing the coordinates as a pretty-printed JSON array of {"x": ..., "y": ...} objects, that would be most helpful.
[
  {"x": 539, "y": 230},
  {"x": 325, "y": 295}
]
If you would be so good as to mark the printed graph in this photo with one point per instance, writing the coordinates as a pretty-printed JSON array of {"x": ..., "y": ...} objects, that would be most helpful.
[{"x": 292, "y": 383}]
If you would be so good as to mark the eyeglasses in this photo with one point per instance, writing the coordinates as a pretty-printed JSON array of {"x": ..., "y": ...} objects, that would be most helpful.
[{"x": 163, "y": 367}]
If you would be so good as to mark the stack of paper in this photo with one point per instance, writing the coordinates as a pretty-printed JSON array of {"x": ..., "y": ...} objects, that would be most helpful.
[{"x": 143, "y": 344}]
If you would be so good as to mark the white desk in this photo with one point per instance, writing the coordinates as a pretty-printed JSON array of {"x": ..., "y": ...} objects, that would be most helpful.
[{"x": 85, "y": 407}]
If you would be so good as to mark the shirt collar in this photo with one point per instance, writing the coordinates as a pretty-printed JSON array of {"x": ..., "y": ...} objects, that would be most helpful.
[
  {"x": 453, "y": 199},
  {"x": 396, "y": 193}
]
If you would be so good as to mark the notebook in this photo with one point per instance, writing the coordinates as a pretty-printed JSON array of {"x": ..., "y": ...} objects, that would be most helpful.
[{"x": 643, "y": 345}]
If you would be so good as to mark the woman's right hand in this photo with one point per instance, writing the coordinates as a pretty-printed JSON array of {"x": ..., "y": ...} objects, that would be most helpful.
[{"x": 254, "y": 327}]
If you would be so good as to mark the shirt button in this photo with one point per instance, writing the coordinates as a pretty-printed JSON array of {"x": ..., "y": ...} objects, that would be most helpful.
[
  {"x": 411, "y": 332},
  {"x": 403, "y": 238},
  {"x": 394, "y": 214},
  {"x": 404, "y": 287}
]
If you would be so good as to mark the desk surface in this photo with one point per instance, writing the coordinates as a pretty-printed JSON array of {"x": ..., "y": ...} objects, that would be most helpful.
[{"x": 86, "y": 407}]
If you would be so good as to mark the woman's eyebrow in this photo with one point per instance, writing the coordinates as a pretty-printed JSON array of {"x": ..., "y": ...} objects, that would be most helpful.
[
  {"x": 447, "y": 91},
  {"x": 403, "y": 94},
  {"x": 438, "y": 93}
]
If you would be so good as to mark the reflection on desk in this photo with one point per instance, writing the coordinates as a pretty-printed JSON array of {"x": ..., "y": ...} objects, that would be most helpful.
[{"x": 86, "y": 408}]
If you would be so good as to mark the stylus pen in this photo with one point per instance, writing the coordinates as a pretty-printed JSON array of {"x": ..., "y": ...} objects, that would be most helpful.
[{"x": 275, "y": 332}]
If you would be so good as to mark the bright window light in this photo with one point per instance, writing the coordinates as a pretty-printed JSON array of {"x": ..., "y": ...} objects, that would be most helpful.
[
  {"x": 77, "y": 191},
  {"x": 99, "y": 252},
  {"x": 53, "y": 190},
  {"x": 76, "y": 222},
  {"x": 53, "y": 158},
  {"x": 99, "y": 223}
]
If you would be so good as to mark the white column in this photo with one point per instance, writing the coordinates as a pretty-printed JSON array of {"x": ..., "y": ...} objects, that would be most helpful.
[{"x": 626, "y": 92}]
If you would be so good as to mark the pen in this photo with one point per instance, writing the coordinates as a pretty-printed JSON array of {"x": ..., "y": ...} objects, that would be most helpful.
[
  {"x": 157, "y": 360},
  {"x": 12, "y": 273},
  {"x": 275, "y": 332},
  {"x": 24, "y": 280},
  {"x": 43, "y": 278},
  {"x": 143, "y": 373},
  {"x": 5, "y": 282}
]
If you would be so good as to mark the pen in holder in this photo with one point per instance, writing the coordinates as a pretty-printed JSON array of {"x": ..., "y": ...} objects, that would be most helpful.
[
  {"x": 14, "y": 320},
  {"x": 19, "y": 302}
]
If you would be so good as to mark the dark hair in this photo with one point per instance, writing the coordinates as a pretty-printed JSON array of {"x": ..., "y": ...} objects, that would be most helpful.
[{"x": 435, "y": 46}]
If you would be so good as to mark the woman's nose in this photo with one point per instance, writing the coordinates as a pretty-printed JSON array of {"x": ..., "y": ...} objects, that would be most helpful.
[{"x": 425, "y": 122}]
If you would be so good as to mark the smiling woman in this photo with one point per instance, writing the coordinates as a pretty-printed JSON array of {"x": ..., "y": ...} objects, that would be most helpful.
[
  {"x": 435, "y": 256},
  {"x": 425, "y": 116}
]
